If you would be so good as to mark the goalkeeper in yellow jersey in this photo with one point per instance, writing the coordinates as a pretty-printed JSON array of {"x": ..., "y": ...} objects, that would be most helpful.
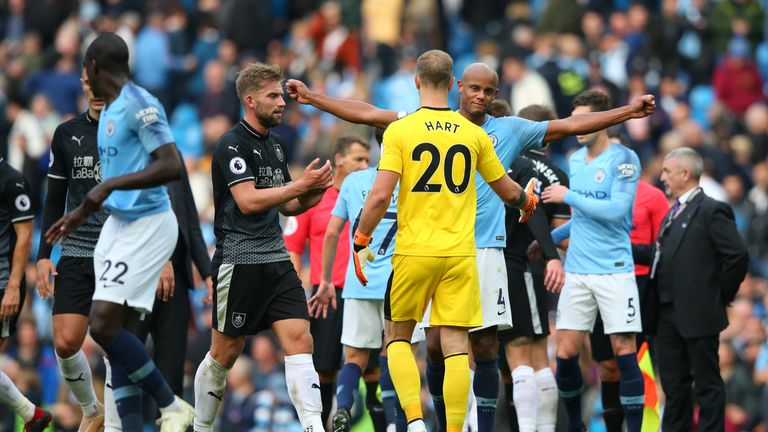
[{"x": 434, "y": 154}]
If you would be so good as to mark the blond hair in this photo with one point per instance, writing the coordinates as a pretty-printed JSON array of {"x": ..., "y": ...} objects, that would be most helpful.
[{"x": 254, "y": 76}]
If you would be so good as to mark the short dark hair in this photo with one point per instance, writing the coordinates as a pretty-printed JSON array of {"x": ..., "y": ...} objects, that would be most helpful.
[
  {"x": 343, "y": 144},
  {"x": 596, "y": 100},
  {"x": 499, "y": 108},
  {"x": 537, "y": 113},
  {"x": 435, "y": 68},
  {"x": 110, "y": 53}
]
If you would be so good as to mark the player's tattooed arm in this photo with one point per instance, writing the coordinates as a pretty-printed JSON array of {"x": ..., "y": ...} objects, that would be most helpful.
[
  {"x": 584, "y": 124},
  {"x": 353, "y": 111}
]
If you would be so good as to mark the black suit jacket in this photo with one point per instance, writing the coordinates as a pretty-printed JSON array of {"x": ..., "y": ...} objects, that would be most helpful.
[
  {"x": 190, "y": 246},
  {"x": 703, "y": 261}
]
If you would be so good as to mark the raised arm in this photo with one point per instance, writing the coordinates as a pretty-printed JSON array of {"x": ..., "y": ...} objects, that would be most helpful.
[
  {"x": 353, "y": 111},
  {"x": 583, "y": 124}
]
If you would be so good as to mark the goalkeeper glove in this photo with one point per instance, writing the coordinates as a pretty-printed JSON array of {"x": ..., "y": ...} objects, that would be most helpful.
[
  {"x": 362, "y": 254},
  {"x": 531, "y": 201}
]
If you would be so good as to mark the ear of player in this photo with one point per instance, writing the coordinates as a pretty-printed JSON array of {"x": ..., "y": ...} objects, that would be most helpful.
[
  {"x": 362, "y": 255},
  {"x": 531, "y": 201}
]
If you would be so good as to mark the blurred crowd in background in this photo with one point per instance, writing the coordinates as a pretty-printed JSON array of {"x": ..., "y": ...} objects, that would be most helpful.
[{"x": 706, "y": 61}]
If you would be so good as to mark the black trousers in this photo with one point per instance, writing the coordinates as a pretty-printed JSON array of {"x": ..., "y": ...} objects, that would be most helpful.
[
  {"x": 685, "y": 363},
  {"x": 168, "y": 325}
]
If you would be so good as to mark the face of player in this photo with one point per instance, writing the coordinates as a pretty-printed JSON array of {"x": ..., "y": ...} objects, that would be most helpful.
[
  {"x": 477, "y": 89},
  {"x": 94, "y": 103},
  {"x": 356, "y": 159},
  {"x": 267, "y": 104},
  {"x": 94, "y": 79},
  {"x": 588, "y": 139},
  {"x": 674, "y": 176}
]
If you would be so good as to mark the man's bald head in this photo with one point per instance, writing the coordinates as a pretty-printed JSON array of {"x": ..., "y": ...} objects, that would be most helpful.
[
  {"x": 480, "y": 72},
  {"x": 435, "y": 69}
]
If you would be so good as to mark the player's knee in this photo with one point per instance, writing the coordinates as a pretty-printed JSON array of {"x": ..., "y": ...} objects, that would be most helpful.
[
  {"x": 299, "y": 342},
  {"x": 485, "y": 345},
  {"x": 357, "y": 356},
  {"x": 567, "y": 349},
  {"x": 623, "y": 343},
  {"x": 102, "y": 330},
  {"x": 609, "y": 372},
  {"x": 66, "y": 345}
]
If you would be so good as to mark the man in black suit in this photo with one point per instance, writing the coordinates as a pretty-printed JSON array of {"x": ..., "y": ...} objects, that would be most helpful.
[
  {"x": 698, "y": 263},
  {"x": 169, "y": 321}
]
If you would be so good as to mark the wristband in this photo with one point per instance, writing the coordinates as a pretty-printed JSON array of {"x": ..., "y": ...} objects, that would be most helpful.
[
  {"x": 522, "y": 200},
  {"x": 361, "y": 240}
]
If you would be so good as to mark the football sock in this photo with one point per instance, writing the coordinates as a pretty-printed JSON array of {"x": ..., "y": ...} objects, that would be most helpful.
[
  {"x": 349, "y": 378},
  {"x": 631, "y": 391},
  {"x": 127, "y": 351},
  {"x": 304, "y": 390},
  {"x": 127, "y": 396},
  {"x": 111, "y": 416},
  {"x": 405, "y": 377},
  {"x": 11, "y": 397},
  {"x": 547, "y": 397},
  {"x": 485, "y": 386},
  {"x": 456, "y": 390},
  {"x": 77, "y": 374},
  {"x": 387, "y": 391},
  {"x": 210, "y": 382},
  {"x": 571, "y": 385},
  {"x": 435, "y": 375},
  {"x": 526, "y": 402}
]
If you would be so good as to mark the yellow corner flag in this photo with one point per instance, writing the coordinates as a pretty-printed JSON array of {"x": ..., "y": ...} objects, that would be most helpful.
[{"x": 651, "y": 419}]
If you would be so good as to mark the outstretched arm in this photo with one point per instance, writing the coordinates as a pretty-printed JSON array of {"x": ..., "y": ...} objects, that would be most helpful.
[
  {"x": 353, "y": 111},
  {"x": 165, "y": 167},
  {"x": 583, "y": 124}
]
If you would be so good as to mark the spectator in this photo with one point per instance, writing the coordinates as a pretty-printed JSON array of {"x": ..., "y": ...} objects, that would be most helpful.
[
  {"x": 522, "y": 86},
  {"x": 153, "y": 57},
  {"x": 740, "y": 391},
  {"x": 737, "y": 81},
  {"x": 336, "y": 46},
  {"x": 756, "y": 121}
]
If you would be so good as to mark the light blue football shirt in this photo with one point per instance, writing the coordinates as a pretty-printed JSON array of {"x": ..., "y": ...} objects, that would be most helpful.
[
  {"x": 348, "y": 206},
  {"x": 510, "y": 136},
  {"x": 130, "y": 128},
  {"x": 602, "y": 195}
]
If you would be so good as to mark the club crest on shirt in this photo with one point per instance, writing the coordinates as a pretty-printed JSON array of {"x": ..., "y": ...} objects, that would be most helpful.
[
  {"x": 278, "y": 152},
  {"x": 599, "y": 176},
  {"x": 238, "y": 319},
  {"x": 493, "y": 138},
  {"x": 237, "y": 165},
  {"x": 50, "y": 158},
  {"x": 22, "y": 202},
  {"x": 110, "y": 127},
  {"x": 278, "y": 179}
]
